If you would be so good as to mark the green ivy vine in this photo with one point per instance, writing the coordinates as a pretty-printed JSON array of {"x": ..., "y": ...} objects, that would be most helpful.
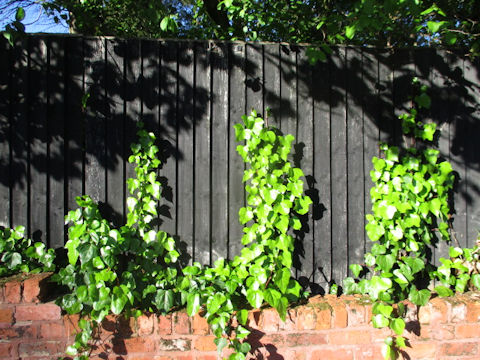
[
  {"x": 22, "y": 255},
  {"x": 410, "y": 204},
  {"x": 134, "y": 269}
]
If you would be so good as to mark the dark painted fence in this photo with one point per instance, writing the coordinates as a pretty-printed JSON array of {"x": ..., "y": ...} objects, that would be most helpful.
[{"x": 190, "y": 94}]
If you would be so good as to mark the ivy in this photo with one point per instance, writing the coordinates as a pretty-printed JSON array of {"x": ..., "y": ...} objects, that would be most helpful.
[
  {"x": 134, "y": 268},
  {"x": 20, "y": 254},
  {"x": 410, "y": 204}
]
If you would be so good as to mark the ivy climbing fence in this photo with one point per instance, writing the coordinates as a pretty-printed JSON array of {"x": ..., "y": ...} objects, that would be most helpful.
[{"x": 69, "y": 105}]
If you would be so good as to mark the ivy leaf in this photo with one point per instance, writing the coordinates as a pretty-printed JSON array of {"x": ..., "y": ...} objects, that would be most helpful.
[
  {"x": 119, "y": 300},
  {"x": 385, "y": 262},
  {"x": 215, "y": 302},
  {"x": 454, "y": 252},
  {"x": 282, "y": 308},
  {"x": 423, "y": 101},
  {"x": 476, "y": 281},
  {"x": 400, "y": 342},
  {"x": 379, "y": 321},
  {"x": 272, "y": 296},
  {"x": 443, "y": 291},
  {"x": 164, "y": 300},
  {"x": 434, "y": 26},
  {"x": 398, "y": 325},
  {"x": 193, "y": 303},
  {"x": 356, "y": 269},
  {"x": 282, "y": 278},
  {"x": 221, "y": 343},
  {"x": 374, "y": 231},
  {"x": 20, "y": 14},
  {"x": 255, "y": 298},
  {"x": 350, "y": 31},
  {"x": 419, "y": 297},
  {"x": 242, "y": 316}
]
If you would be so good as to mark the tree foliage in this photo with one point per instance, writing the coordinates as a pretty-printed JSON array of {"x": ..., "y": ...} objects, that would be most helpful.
[{"x": 358, "y": 22}]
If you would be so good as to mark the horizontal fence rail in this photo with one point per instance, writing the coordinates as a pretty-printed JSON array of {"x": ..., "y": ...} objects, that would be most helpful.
[{"x": 69, "y": 107}]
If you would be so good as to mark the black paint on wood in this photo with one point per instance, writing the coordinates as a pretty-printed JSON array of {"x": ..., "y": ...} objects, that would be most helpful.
[{"x": 5, "y": 143}]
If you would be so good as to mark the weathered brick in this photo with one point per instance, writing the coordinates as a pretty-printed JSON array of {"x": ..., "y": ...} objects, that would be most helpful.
[
  {"x": 125, "y": 327},
  {"x": 421, "y": 350},
  {"x": 439, "y": 310},
  {"x": 349, "y": 337},
  {"x": 463, "y": 331},
  {"x": 324, "y": 317},
  {"x": 306, "y": 318},
  {"x": 290, "y": 323},
  {"x": 18, "y": 332},
  {"x": 205, "y": 343},
  {"x": 206, "y": 357},
  {"x": 165, "y": 324},
  {"x": 53, "y": 330},
  {"x": 355, "y": 314},
  {"x": 50, "y": 349},
  {"x": 269, "y": 320},
  {"x": 458, "y": 311},
  {"x": 13, "y": 292},
  {"x": 35, "y": 287},
  {"x": 459, "y": 349},
  {"x": 6, "y": 350},
  {"x": 444, "y": 332},
  {"x": 368, "y": 352},
  {"x": 145, "y": 324},
  {"x": 473, "y": 311},
  {"x": 38, "y": 312},
  {"x": 200, "y": 325},
  {"x": 6, "y": 315},
  {"x": 181, "y": 323},
  {"x": 332, "y": 354},
  {"x": 305, "y": 339},
  {"x": 177, "y": 344},
  {"x": 424, "y": 314},
  {"x": 133, "y": 345}
]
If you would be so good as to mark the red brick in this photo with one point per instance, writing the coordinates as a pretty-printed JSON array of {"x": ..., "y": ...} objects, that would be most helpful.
[
  {"x": 6, "y": 350},
  {"x": 253, "y": 320},
  {"x": 464, "y": 331},
  {"x": 356, "y": 314},
  {"x": 444, "y": 332},
  {"x": 125, "y": 327},
  {"x": 13, "y": 292},
  {"x": 306, "y": 318},
  {"x": 349, "y": 337},
  {"x": 206, "y": 357},
  {"x": 324, "y": 318},
  {"x": 439, "y": 310},
  {"x": 181, "y": 323},
  {"x": 53, "y": 331},
  {"x": 340, "y": 315},
  {"x": 165, "y": 324},
  {"x": 368, "y": 352},
  {"x": 205, "y": 343},
  {"x": 71, "y": 324},
  {"x": 200, "y": 325},
  {"x": 300, "y": 354},
  {"x": 332, "y": 354},
  {"x": 269, "y": 320},
  {"x": 290, "y": 323},
  {"x": 35, "y": 287},
  {"x": 424, "y": 314},
  {"x": 45, "y": 348},
  {"x": 18, "y": 332},
  {"x": 145, "y": 324},
  {"x": 423, "y": 350},
  {"x": 176, "y": 344},
  {"x": 303, "y": 339},
  {"x": 459, "y": 349},
  {"x": 473, "y": 311},
  {"x": 2, "y": 295},
  {"x": 458, "y": 312},
  {"x": 48, "y": 311},
  {"x": 6, "y": 315},
  {"x": 133, "y": 345}
]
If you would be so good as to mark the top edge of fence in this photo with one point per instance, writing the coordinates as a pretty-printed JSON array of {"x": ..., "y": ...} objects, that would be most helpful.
[{"x": 242, "y": 42}]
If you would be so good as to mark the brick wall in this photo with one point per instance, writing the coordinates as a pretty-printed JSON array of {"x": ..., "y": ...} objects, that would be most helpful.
[{"x": 324, "y": 328}]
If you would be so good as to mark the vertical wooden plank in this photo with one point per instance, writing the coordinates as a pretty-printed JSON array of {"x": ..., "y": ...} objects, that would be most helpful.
[
  {"x": 37, "y": 123},
  {"x": 271, "y": 88},
  {"x": 19, "y": 136},
  {"x": 472, "y": 149},
  {"x": 168, "y": 135},
  {"x": 150, "y": 89},
  {"x": 202, "y": 153},
  {"x": 115, "y": 122},
  {"x": 56, "y": 141},
  {"x": 288, "y": 89},
  {"x": 370, "y": 128},
  {"x": 322, "y": 214},
  {"x": 95, "y": 119},
  {"x": 339, "y": 167},
  {"x": 355, "y": 165},
  {"x": 5, "y": 133},
  {"x": 303, "y": 158},
  {"x": 133, "y": 111},
  {"x": 185, "y": 148},
  {"x": 387, "y": 122},
  {"x": 458, "y": 135},
  {"x": 254, "y": 77},
  {"x": 220, "y": 151},
  {"x": 74, "y": 128},
  {"x": 236, "y": 106}
]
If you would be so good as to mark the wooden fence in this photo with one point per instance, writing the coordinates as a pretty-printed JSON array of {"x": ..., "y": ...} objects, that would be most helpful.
[{"x": 52, "y": 148}]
